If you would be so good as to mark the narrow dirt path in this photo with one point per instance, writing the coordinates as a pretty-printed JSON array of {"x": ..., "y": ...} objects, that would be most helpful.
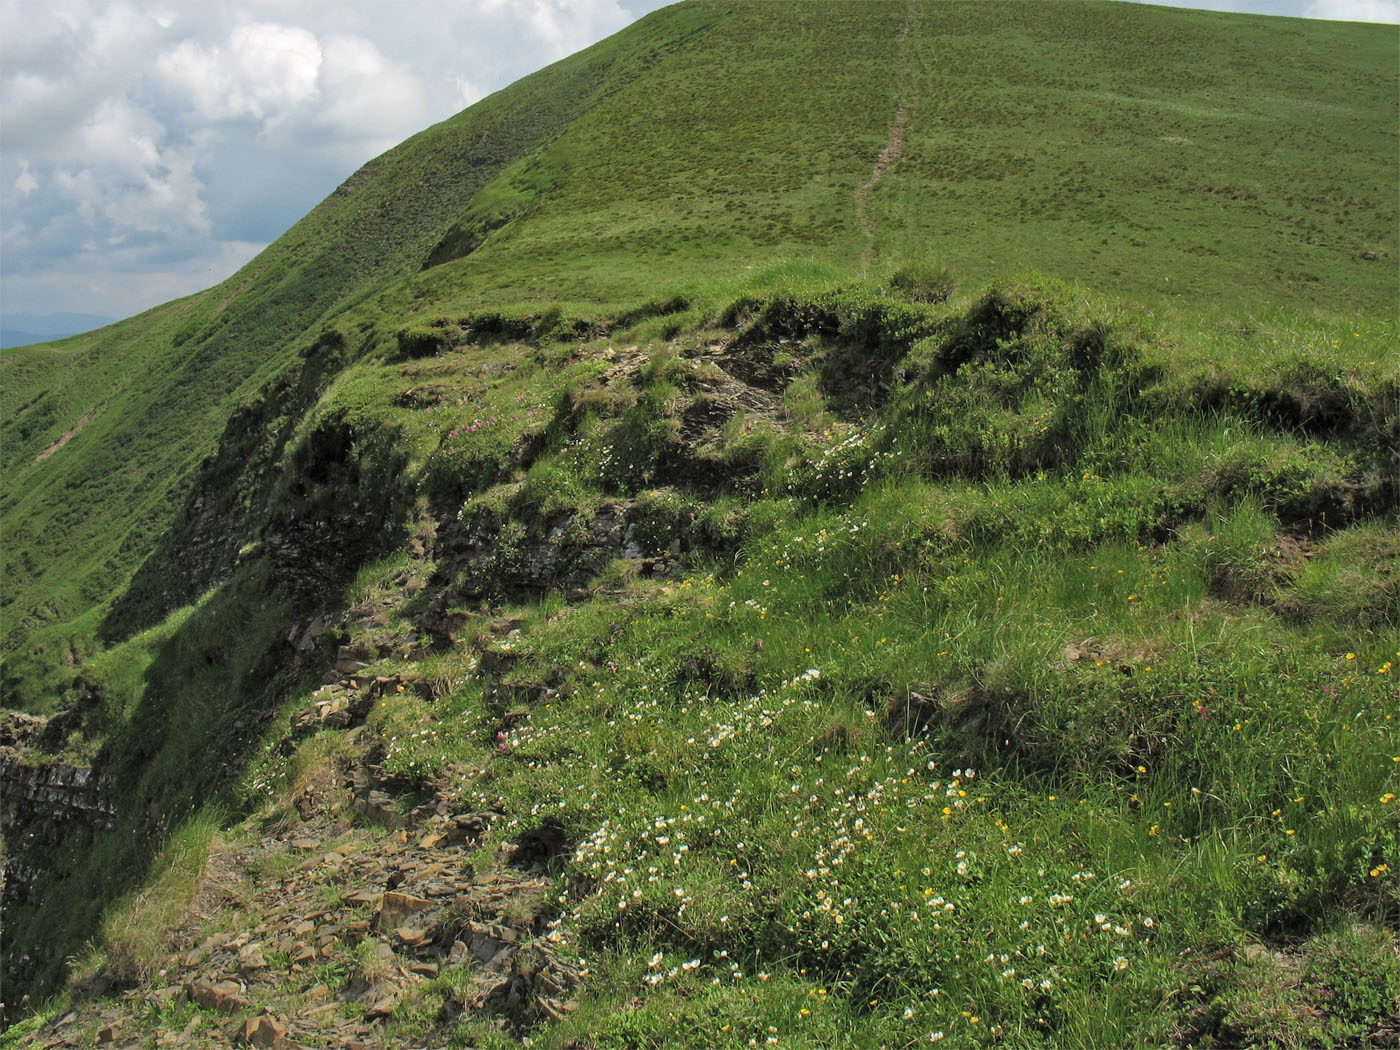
[
  {"x": 894, "y": 147},
  {"x": 68, "y": 435}
]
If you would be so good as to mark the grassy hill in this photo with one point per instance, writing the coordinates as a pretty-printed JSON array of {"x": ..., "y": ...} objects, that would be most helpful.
[
  {"x": 147, "y": 399},
  {"x": 1116, "y": 147},
  {"x": 887, "y": 511}
]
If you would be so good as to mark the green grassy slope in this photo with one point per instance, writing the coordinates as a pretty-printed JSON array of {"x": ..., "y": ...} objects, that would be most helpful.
[
  {"x": 1040, "y": 697},
  {"x": 1119, "y": 539},
  {"x": 1122, "y": 146},
  {"x": 153, "y": 393},
  {"x": 1115, "y": 145}
]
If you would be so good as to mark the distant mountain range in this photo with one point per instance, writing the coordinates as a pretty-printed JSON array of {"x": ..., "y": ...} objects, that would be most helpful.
[{"x": 20, "y": 329}]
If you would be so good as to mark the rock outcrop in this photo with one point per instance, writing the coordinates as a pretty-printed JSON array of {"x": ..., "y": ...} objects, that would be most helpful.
[{"x": 42, "y": 802}]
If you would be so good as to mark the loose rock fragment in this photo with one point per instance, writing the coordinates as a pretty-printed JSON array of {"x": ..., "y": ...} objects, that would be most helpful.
[
  {"x": 397, "y": 908},
  {"x": 221, "y": 995},
  {"x": 264, "y": 1031}
]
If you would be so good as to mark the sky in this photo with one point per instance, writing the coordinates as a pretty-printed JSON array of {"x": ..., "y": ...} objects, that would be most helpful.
[{"x": 149, "y": 148}]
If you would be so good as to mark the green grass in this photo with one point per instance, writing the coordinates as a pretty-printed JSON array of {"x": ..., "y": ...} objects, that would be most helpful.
[
  {"x": 1178, "y": 750},
  {"x": 1241, "y": 184},
  {"x": 1041, "y": 597},
  {"x": 1055, "y": 726},
  {"x": 134, "y": 927}
]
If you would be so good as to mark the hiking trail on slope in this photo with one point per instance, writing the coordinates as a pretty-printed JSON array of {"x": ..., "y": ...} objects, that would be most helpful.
[{"x": 894, "y": 147}]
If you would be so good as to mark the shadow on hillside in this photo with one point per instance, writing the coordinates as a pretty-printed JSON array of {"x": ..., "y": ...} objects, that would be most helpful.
[{"x": 206, "y": 698}]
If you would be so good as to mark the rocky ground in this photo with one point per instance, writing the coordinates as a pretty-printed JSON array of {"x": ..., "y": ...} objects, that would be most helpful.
[{"x": 328, "y": 922}]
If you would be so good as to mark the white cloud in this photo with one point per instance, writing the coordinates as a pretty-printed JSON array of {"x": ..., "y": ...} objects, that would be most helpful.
[
  {"x": 125, "y": 178},
  {"x": 262, "y": 71},
  {"x": 467, "y": 92},
  {"x": 148, "y": 143},
  {"x": 1333, "y": 10},
  {"x": 279, "y": 65},
  {"x": 564, "y": 26},
  {"x": 1384, "y": 11},
  {"x": 25, "y": 182},
  {"x": 37, "y": 108},
  {"x": 371, "y": 98},
  {"x": 116, "y": 32},
  {"x": 120, "y": 138}
]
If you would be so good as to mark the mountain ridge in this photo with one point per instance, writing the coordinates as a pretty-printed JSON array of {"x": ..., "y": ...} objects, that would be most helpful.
[
  {"x": 602, "y": 435},
  {"x": 278, "y": 281}
]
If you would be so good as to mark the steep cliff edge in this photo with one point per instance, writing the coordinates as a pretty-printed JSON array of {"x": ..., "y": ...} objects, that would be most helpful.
[{"x": 42, "y": 801}]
